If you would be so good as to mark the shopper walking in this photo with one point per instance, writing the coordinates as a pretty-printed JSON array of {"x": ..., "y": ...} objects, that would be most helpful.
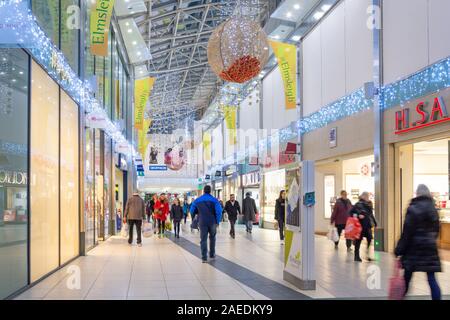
[
  {"x": 134, "y": 214},
  {"x": 363, "y": 210},
  {"x": 232, "y": 208},
  {"x": 280, "y": 213},
  {"x": 161, "y": 211},
  {"x": 152, "y": 209},
  {"x": 209, "y": 214},
  {"x": 186, "y": 207},
  {"x": 249, "y": 211},
  {"x": 176, "y": 215},
  {"x": 339, "y": 217},
  {"x": 417, "y": 246}
]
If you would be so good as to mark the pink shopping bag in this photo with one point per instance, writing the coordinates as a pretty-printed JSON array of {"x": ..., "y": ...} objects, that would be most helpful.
[{"x": 397, "y": 285}]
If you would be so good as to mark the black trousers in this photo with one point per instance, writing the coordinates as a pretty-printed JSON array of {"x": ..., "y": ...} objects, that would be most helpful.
[
  {"x": 161, "y": 226},
  {"x": 232, "y": 231},
  {"x": 368, "y": 236},
  {"x": 281, "y": 224},
  {"x": 176, "y": 227},
  {"x": 340, "y": 228},
  {"x": 138, "y": 224}
]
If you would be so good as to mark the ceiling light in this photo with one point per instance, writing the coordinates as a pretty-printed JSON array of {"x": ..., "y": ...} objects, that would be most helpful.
[
  {"x": 130, "y": 30},
  {"x": 134, "y": 42},
  {"x": 21, "y": 72},
  {"x": 326, "y": 7},
  {"x": 289, "y": 14},
  {"x": 296, "y": 38},
  {"x": 318, "y": 15},
  {"x": 297, "y": 6},
  {"x": 276, "y": 37}
]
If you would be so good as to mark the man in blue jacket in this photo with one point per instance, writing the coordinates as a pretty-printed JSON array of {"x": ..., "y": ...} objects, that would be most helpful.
[{"x": 209, "y": 213}]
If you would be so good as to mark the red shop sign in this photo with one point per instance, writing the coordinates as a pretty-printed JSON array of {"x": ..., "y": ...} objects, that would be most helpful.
[{"x": 425, "y": 117}]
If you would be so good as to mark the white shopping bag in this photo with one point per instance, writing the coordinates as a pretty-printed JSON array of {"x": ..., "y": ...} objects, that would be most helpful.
[
  {"x": 125, "y": 230},
  {"x": 147, "y": 229},
  {"x": 333, "y": 234}
]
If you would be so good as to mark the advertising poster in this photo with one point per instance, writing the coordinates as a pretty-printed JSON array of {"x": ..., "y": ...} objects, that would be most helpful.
[
  {"x": 292, "y": 253},
  {"x": 293, "y": 199}
]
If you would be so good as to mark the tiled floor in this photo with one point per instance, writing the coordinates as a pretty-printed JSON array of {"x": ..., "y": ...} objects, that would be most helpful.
[{"x": 249, "y": 267}]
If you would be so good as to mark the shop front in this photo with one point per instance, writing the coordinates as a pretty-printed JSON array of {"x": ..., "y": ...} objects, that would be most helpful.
[
  {"x": 231, "y": 182},
  {"x": 250, "y": 182},
  {"x": 120, "y": 189},
  {"x": 417, "y": 148}
]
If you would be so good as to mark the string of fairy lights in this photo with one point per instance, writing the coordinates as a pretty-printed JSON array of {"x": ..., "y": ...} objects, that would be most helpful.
[
  {"x": 56, "y": 65},
  {"x": 430, "y": 80}
]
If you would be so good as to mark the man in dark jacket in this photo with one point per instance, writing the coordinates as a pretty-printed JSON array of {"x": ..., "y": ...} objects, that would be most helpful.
[
  {"x": 134, "y": 214},
  {"x": 340, "y": 215},
  {"x": 417, "y": 246},
  {"x": 209, "y": 213},
  {"x": 249, "y": 211},
  {"x": 232, "y": 208},
  {"x": 363, "y": 210}
]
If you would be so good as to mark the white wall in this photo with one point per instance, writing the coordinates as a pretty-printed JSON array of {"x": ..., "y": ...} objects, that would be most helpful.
[
  {"x": 416, "y": 34},
  {"x": 275, "y": 115},
  {"x": 337, "y": 56},
  {"x": 217, "y": 144}
]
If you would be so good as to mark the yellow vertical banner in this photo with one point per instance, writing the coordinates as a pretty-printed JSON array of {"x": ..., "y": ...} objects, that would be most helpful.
[
  {"x": 142, "y": 89},
  {"x": 143, "y": 141},
  {"x": 286, "y": 55},
  {"x": 101, "y": 12},
  {"x": 207, "y": 146},
  {"x": 230, "y": 115}
]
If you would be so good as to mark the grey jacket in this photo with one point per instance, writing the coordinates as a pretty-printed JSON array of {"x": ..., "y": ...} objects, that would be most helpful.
[
  {"x": 135, "y": 208},
  {"x": 249, "y": 209}
]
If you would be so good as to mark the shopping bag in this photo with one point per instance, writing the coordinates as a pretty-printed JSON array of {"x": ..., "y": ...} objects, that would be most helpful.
[
  {"x": 397, "y": 285},
  {"x": 353, "y": 229},
  {"x": 194, "y": 223},
  {"x": 125, "y": 230},
  {"x": 147, "y": 229},
  {"x": 168, "y": 226},
  {"x": 333, "y": 234}
]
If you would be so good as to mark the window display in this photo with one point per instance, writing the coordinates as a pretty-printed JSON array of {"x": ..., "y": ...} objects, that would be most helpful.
[
  {"x": 13, "y": 170},
  {"x": 273, "y": 183}
]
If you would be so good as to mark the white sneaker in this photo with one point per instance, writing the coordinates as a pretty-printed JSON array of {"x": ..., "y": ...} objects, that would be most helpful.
[{"x": 139, "y": 244}]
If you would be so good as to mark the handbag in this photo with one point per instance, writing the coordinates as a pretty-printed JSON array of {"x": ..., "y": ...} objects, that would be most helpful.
[
  {"x": 125, "y": 230},
  {"x": 168, "y": 226},
  {"x": 397, "y": 286},
  {"x": 353, "y": 229},
  {"x": 194, "y": 223},
  {"x": 147, "y": 230},
  {"x": 333, "y": 234}
]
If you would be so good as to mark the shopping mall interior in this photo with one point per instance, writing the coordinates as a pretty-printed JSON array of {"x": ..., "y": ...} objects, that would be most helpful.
[{"x": 104, "y": 101}]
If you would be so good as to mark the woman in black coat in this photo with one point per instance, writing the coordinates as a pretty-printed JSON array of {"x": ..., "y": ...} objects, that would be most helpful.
[
  {"x": 363, "y": 210},
  {"x": 280, "y": 212},
  {"x": 176, "y": 214},
  {"x": 417, "y": 246}
]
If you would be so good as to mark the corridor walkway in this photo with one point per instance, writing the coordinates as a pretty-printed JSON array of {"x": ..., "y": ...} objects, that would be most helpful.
[{"x": 249, "y": 267}]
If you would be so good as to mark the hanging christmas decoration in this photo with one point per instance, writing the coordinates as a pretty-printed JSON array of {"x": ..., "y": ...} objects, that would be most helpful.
[{"x": 238, "y": 50}]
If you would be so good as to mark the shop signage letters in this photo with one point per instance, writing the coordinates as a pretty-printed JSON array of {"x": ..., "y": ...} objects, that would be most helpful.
[
  {"x": 251, "y": 179},
  {"x": 13, "y": 177},
  {"x": 426, "y": 118}
]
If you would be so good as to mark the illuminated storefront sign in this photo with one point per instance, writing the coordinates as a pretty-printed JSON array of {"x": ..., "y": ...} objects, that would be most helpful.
[
  {"x": 251, "y": 179},
  {"x": 13, "y": 177},
  {"x": 405, "y": 121}
]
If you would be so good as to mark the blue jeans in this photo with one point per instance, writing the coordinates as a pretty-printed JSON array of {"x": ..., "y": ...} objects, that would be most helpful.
[
  {"x": 434, "y": 286},
  {"x": 204, "y": 231},
  {"x": 249, "y": 226}
]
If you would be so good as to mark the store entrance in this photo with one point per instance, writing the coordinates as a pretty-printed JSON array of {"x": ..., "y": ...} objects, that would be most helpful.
[{"x": 428, "y": 163}]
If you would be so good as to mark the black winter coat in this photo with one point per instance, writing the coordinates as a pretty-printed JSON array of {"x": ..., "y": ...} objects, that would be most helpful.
[
  {"x": 176, "y": 212},
  {"x": 249, "y": 209},
  {"x": 364, "y": 208},
  {"x": 232, "y": 210},
  {"x": 417, "y": 245},
  {"x": 280, "y": 210}
]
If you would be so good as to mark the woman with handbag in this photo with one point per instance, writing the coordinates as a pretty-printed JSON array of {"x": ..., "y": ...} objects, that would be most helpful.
[
  {"x": 280, "y": 212},
  {"x": 363, "y": 210},
  {"x": 417, "y": 247},
  {"x": 161, "y": 211}
]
